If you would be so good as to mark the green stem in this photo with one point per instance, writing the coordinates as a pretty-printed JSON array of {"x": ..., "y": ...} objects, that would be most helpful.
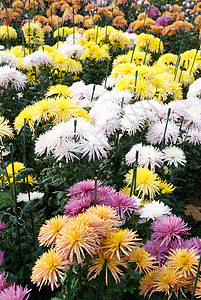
[
  {"x": 196, "y": 278},
  {"x": 133, "y": 183},
  {"x": 101, "y": 279},
  {"x": 193, "y": 61},
  {"x": 69, "y": 282},
  {"x": 92, "y": 95},
  {"x": 134, "y": 46},
  {"x": 146, "y": 54}
]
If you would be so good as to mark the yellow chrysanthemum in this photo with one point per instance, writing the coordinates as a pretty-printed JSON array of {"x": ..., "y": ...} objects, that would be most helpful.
[
  {"x": 58, "y": 90},
  {"x": 143, "y": 38},
  {"x": 112, "y": 264},
  {"x": 19, "y": 51},
  {"x": 185, "y": 261},
  {"x": 166, "y": 188},
  {"x": 185, "y": 78},
  {"x": 66, "y": 109},
  {"x": 64, "y": 63},
  {"x": 33, "y": 33},
  {"x": 123, "y": 70},
  {"x": 7, "y": 32},
  {"x": 139, "y": 57},
  {"x": 178, "y": 94},
  {"x": 168, "y": 280},
  {"x": 168, "y": 59},
  {"x": 120, "y": 243},
  {"x": 162, "y": 85},
  {"x": 27, "y": 113},
  {"x": 18, "y": 166},
  {"x": 63, "y": 31},
  {"x": 146, "y": 282},
  {"x": 147, "y": 182},
  {"x": 48, "y": 268},
  {"x": 5, "y": 129},
  {"x": 44, "y": 109},
  {"x": 144, "y": 261},
  {"x": 50, "y": 230}
]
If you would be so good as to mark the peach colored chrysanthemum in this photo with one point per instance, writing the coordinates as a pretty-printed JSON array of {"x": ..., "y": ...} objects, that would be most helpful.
[
  {"x": 144, "y": 261},
  {"x": 77, "y": 240},
  {"x": 50, "y": 230}
]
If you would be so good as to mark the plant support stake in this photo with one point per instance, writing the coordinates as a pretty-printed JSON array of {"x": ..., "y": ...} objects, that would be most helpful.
[
  {"x": 92, "y": 95},
  {"x": 133, "y": 183},
  {"x": 134, "y": 46},
  {"x": 168, "y": 116},
  {"x": 101, "y": 279},
  {"x": 107, "y": 69},
  {"x": 95, "y": 190},
  {"x": 196, "y": 278},
  {"x": 69, "y": 282}
]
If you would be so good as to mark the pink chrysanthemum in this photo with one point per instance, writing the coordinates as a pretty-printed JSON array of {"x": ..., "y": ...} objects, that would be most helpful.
[
  {"x": 122, "y": 203},
  {"x": 77, "y": 205},
  {"x": 156, "y": 249},
  {"x": 2, "y": 226},
  {"x": 169, "y": 228},
  {"x": 82, "y": 187},
  {"x": 3, "y": 284},
  {"x": 184, "y": 244},
  {"x": 15, "y": 292}
]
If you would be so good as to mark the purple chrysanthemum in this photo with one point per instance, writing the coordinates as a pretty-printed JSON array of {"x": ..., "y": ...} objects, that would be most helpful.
[
  {"x": 183, "y": 244},
  {"x": 152, "y": 11},
  {"x": 2, "y": 226},
  {"x": 122, "y": 203},
  {"x": 15, "y": 292},
  {"x": 1, "y": 258},
  {"x": 169, "y": 228},
  {"x": 156, "y": 249},
  {"x": 82, "y": 187},
  {"x": 163, "y": 21}
]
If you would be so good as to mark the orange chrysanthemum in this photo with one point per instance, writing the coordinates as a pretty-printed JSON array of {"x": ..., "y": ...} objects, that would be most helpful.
[{"x": 144, "y": 261}]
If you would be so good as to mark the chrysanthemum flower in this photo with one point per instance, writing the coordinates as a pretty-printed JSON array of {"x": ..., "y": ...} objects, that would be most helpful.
[
  {"x": 146, "y": 282},
  {"x": 155, "y": 248},
  {"x": 106, "y": 213},
  {"x": 1, "y": 260},
  {"x": 50, "y": 230},
  {"x": 15, "y": 292},
  {"x": 194, "y": 136},
  {"x": 77, "y": 240},
  {"x": 154, "y": 210},
  {"x": 44, "y": 109},
  {"x": 26, "y": 113},
  {"x": 37, "y": 59},
  {"x": 58, "y": 90},
  {"x": 12, "y": 77},
  {"x": 48, "y": 268},
  {"x": 185, "y": 261},
  {"x": 168, "y": 228},
  {"x": 166, "y": 188},
  {"x": 168, "y": 280},
  {"x": 5, "y": 129},
  {"x": 33, "y": 33},
  {"x": 111, "y": 265},
  {"x": 147, "y": 182},
  {"x": 156, "y": 132},
  {"x": 120, "y": 243},
  {"x": 66, "y": 109},
  {"x": 7, "y": 32},
  {"x": 144, "y": 261},
  {"x": 174, "y": 156},
  {"x": 9, "y": 59}
]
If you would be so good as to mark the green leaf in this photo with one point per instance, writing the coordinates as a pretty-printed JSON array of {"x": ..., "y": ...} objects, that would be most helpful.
[{"x": 22, "y": 174}]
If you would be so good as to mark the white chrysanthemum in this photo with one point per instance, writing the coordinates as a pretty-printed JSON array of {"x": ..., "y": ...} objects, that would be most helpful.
[
  {"x": 73, "y": 37},
  {"x": 195, "y": 89},
  {"x": 131, "y": 155},
  {"x": 25, "y": 197},
  {"x": 174, "y": 156},
  {"x": 178, "y": 109},
  {"x": 154, "y": 210},
  {"x": 156, "y": 132},
  {"x": 131, "y": 37},
  {"x": 133, "y": 119},
  {"x": 9, "y": 59},
  {"x": 192, "y": 116},
  {"x": 15, "y": 78},
  {"x": 150, "y": 108},
  {"x": 95, "y": 146},
  {"x": 150, "y": 157},
  {"x": 36, "y": 59},
  {"x": 106, "y": 116},
  {"x": 120, "y": 97},
  {"x": 111, "y": 82},
  {"x": 69, "y": 151},
  {"x": 194, "y": 136},
  {"x": 73, "y": 51},
  {"x": 1, "y": 47}
]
